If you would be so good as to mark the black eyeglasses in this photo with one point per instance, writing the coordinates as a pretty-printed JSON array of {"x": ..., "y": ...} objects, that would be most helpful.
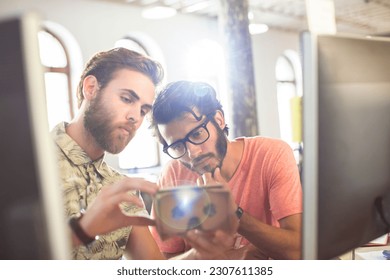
[{"x": 197, "y": 136}]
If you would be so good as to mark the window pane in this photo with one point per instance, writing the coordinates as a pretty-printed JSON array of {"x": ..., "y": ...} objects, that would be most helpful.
[
  {"x": 131, "y": 45},
  {"x": 285, "y": 92},
  {"x": 142, "y": 150},
  {"x": 284, "y": 70},
  {"x": 57, "y": 98},
  {"x": 206, "y": 63},
  {"x": 51, "y": 51},
  {"x": 288, "y": 86}
]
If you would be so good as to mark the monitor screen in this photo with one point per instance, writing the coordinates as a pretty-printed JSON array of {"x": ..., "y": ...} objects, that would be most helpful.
[
  {"x": 32, "y": 223},
  {"x": 346, "y": 139}
]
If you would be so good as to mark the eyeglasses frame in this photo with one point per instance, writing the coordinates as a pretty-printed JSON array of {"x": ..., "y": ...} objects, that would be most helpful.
[{"x": 186, "y": 138}]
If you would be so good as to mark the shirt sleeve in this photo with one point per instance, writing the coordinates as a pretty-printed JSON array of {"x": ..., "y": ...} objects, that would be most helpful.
[{"x": 285, "y": 186}]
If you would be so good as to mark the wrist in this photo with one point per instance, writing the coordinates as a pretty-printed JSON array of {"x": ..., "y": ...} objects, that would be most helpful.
[
  {"x": 77, "y": 229},
  {"x": 239, "y": 212}
]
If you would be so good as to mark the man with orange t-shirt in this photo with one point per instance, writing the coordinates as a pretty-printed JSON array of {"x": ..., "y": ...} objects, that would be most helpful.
[{"x": 261, "y": 173}]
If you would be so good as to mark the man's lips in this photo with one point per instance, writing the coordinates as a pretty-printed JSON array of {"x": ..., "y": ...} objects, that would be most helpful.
[{"x": 128, "y": 129}]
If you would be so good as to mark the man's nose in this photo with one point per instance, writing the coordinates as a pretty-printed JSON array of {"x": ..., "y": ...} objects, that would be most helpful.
[
  {"x": 193, "y": 150},
  {"x": 133, "y": 116}
]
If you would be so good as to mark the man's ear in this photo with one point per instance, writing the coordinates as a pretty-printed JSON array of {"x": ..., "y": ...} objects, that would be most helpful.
[
  {"x": 90, "y": 87},
  {"x": 220, "y": 119}
]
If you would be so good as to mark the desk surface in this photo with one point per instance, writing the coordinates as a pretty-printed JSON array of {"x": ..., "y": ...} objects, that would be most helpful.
[
  {"x": 371, "y": 253},
  {"x": 367, "y": 253}
]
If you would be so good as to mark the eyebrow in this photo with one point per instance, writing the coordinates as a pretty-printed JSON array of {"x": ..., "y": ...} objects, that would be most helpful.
[
  {"x": 131, "y": 92},
  {"x": 136, "y": 96},
  {"x": 188, "y": 134}
]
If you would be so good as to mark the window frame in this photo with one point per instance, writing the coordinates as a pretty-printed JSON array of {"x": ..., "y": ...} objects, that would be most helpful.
[{"x": 63, "y": 70}]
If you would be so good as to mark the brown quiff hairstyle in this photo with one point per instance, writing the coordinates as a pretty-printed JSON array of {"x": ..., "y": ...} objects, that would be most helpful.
[{"x": 104, "y": 64}]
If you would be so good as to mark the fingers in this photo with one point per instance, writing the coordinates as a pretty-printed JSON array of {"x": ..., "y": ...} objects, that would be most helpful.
[
  {"x": 200, "y": 181},
  {"x": 198, "y": 241},
  {"x": 206, "y": 179},
  {"x": 131, "y": 184},
  {"x": 217, "y": 175},
  {"x": 221, "y": 238},
  {"x": 140, "y": 221},
  {"x": 127, "y": 190},
  {"x": 210, "y": 245},
  {"x": 126, "y": 197},
  {"x": 211, "y": 178},
  {"x": 135, "y": 183}
]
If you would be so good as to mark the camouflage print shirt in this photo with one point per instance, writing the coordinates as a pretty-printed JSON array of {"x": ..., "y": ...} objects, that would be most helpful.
[{"x": 81, "y": 181}]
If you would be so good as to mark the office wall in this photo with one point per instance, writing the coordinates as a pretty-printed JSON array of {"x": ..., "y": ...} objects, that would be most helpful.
[
  {"x": 97, "y": 25},
  {"x": 267, "y": 48}
]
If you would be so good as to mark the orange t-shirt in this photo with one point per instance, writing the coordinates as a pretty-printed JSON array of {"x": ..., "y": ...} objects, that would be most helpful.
[{"x": 266, "y": 185}]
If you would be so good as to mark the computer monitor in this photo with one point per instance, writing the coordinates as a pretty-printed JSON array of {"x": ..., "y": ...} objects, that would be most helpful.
[
  {"x": 32, "y": 223},
  {"x": 346, "y": 139}
]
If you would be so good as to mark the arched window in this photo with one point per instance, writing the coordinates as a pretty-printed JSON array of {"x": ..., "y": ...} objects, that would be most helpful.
[
  {"x": 289, "y": 89},
  {"x": 206, "y": 63},
  {"x": 55, "y": 59},
  {"x": 143, "y": 151}
]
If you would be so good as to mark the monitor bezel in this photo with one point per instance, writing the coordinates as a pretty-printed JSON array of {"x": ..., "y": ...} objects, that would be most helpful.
[{"x": 311, "y": 120}]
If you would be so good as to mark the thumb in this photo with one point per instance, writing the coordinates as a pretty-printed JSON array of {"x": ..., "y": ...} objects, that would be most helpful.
[{"x": 217, "y": 175}]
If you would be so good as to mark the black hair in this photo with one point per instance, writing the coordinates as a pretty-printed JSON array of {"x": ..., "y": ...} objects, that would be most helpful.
[{"x": 178, "y": 98}]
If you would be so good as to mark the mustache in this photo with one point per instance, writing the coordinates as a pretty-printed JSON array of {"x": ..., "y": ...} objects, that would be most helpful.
[{"x": 197, "y": 160}]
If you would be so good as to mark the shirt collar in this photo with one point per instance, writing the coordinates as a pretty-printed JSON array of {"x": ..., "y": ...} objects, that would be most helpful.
[{"x": 71, "y": 149}]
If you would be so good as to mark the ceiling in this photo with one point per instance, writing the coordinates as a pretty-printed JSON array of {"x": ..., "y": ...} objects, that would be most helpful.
[{"x": 355, "y": 16}]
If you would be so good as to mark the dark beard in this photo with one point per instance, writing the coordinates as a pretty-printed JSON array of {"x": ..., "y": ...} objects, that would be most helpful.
[
  {"x": 97, "y": 121},
  {"x": 221, "y": 148}
]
